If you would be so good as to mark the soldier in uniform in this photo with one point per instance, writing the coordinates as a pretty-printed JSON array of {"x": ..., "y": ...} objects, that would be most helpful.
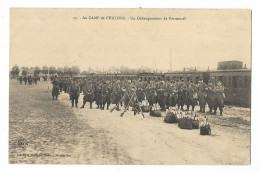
[
  {"x": 25, "y": 79},
  {"x": 181, "y": 94},
  {"x": 191, "y": 98},
  {"x": 162, "y": 95},
  {"x": 55, "y": 88},
  {"x": 152, "y": 94},
  {"x": 219, "y": 97},
  {"x": 116, "y": 93},
  {"x": 35, "y": 80},
  {"x": 106, "y": 94},
  {"x": 74, "y": 91},
  {"x": 172, "y": 91},
  {"x": 202, "y": 95},
  {"x": 210, "y": 96},
  {"x": 30, "y": 80},
  {"x": 98, "y": 95},
  {"x": 88, "y": 91},
  {"x": 21, "y": 80}
]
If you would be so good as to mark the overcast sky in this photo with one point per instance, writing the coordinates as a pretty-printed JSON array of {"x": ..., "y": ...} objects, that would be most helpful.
[{"x": 51, "y": 37}]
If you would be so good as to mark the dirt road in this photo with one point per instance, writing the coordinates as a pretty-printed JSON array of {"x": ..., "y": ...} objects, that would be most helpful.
[{"x": 94, "y": 136}]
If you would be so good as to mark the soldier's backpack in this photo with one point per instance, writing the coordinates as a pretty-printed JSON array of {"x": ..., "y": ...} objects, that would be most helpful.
[
  {"x": 145, "y": 108},
  {"x": 170, "y": 118},
  {"x": 205, "y": 130},
  {"x": 155, "y": 113},
  {"x": 185, "y": 123},
  {"x": 195, "y": 124}
]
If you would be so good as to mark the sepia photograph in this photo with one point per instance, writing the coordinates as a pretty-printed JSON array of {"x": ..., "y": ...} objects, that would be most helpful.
[{"x": 130, "y": 86}]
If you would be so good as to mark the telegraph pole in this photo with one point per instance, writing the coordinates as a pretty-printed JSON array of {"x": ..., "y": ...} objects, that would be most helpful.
[{"x": 170, "y": 60}]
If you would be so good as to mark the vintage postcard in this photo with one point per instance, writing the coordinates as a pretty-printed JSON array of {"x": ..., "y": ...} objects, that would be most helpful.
[{"x": 130, "y": 86}]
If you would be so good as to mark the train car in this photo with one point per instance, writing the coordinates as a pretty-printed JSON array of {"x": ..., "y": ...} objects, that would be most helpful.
[
  {"x": 146, "y": 76},
  {"x": 187, "y": 75},
  {"x": 237, "y": 84}
]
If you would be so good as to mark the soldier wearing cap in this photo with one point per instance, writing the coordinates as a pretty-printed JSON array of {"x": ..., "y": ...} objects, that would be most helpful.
[
  {"x": 202, "y": 94},
  {"x": 116, "y": 93},
  {"x": 219, "y": 97},
  {"x": 191, "y": 95},
  {"x": 21, "y": 79},
  {"x": 74, "y": 91},
  {"x": 55, "y": 89},
  {"x": 182, "y": 93},
  {"x": 210, "y": 96},
  {"x": 88, "y": 91},
  {"x": 172, "y": 91}
]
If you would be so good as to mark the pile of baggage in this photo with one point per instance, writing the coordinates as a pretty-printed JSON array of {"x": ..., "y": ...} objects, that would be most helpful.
[
  {"x": 155, "y": 111},
  {"x": 188, "y": 120},
  {"x": 172, "y": 116}
]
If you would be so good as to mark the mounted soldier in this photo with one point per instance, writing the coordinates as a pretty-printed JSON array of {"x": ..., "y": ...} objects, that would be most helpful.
[
  {"x": 74, "y": 91},
  {"x": 88, "y": 91}
]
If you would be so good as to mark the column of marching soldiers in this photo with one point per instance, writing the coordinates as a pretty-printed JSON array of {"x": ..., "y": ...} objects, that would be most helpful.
[{"x": 136, "y": 94}]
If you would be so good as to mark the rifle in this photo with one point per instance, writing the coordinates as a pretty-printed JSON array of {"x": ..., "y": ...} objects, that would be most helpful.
[{"x": 111, "y": 110}]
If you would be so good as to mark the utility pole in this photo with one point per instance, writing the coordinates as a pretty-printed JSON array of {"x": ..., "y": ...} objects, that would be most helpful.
[{"x": 170, "y": 60}]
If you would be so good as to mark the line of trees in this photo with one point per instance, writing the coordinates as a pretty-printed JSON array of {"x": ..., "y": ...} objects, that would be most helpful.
[{"x": 52, "y": 70}]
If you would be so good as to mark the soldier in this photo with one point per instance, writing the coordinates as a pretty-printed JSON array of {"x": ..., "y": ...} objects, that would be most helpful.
[
  {"x": 74, "y": 91},
  {"x": 21, "y": 80},
  {"x": 210, "y": 96},
  {"x": 172, "y": 91},
  {"x": 106, "y": 94},
  {"x": 191, "y": 95},
  {"x": 151, "y": 94},
  {"x": 181, "y": 93},
  {"x": 30, "y": 80},
  {"x": 88, "y": 91},
  {"x": 25, "y": 79},
  {"x": 202, "y": 95},
  {"x": 162, "y": 95},
  {"x": 55, "y": 88},
  {"x": 35, "y": 80},
  {"x": 116, "y": 94},
  {"x": 219, "y": 97},
  {"x": 61, "y": 84},
  {"x": 98, "y": 95}
]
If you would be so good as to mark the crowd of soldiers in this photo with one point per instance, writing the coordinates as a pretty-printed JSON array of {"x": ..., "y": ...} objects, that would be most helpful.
[
  {"x": 28, "y": 79},
  {"x": 126, "y": 93}
]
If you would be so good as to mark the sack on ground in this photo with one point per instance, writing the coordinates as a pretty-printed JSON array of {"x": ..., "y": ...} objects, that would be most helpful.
[
  {"x": 170, "y": 118},
  {"x": 205, "y": 130},
  {"x": 195, "y": 124},
  {"x": 155, "y": 113},
  {"x": 185, "y": 123}
]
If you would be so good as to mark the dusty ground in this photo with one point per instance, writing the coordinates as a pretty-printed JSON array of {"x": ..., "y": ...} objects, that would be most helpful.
[{"x": 54, "y": 132}]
